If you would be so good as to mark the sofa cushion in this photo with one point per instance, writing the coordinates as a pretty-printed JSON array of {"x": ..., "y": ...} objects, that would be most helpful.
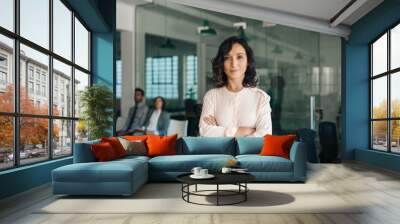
[
  {"x": 275, "y": 145},
  {"x": 185, "y": 163},
  {"x": 136, "y": 147},
  {"x": 161, "y": 145},
  {"x": 103, "y": 152},
  {"x": 249, "y": 145},
  {"x": 206, "y": 145},
  {"x": 112, "y": 171},
  {"x": 257, "y": 163},
  {"x": 116, "y": 145}
]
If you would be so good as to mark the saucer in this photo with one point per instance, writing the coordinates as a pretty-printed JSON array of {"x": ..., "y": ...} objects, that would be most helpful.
[{"x": 208, "y": 176}]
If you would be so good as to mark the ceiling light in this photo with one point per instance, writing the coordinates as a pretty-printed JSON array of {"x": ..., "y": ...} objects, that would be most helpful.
[
  {"x": 277, "y": 50},
  {"x": 168, "y": 44},
  {"x": 206, "y": 30}
]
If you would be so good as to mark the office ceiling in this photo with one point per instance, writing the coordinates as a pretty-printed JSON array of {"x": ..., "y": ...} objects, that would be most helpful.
[
  {"x": 318, "y": 9},
  {"x": 333, "y": 17}
]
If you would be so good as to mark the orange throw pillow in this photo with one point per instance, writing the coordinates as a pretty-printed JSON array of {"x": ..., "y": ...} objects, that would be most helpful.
[
  {"x": 277, "y": 145},
  {"x": 136, "y": 137},
  {"x": 116, "y": 145},
  {"x": 103, "y": 152},
  {"x": 161, "y": 145}
]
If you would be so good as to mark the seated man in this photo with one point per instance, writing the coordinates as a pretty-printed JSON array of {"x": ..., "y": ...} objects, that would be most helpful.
[{"x": 137, "y": 114}]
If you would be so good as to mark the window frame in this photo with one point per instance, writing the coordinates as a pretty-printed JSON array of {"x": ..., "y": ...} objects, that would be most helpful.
[
  {"x": 388, "y": 74},
  {"x": 16, "y": 114},
  {"x": 152, "y": 76}
]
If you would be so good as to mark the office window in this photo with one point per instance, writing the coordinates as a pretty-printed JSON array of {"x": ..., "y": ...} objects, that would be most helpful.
[
  {"x": 37, "y": 75},
  {"x": 62, "y": 140},
  {"x": 81, "y": 45},
  {"x": 191, "y": 77},
  {"x": 49, "y": 135},
  {"x": 3, "y": 61},
  {"x": 385, "y": 92},
  {"x": 62, "y": 74},
  {"x": 7, "y": 14},
  {"x": 30, "y": 87},
  {"x": 38, "y": 89},
  {"x": 162, "y": 77},
  {"x": 3, "y": 78},
  {"x": 30, "y": 73},
  {"x": 34, "y": 21},
  {"x": 62, "y": 29},
  {"x": 43, "y": 90}
]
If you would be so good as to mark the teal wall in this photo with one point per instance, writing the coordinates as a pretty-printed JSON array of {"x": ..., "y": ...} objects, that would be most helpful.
[
  {"x": 24, "y": 178},
  {"x": 100, "y": 16},
  {"x": 356, "y": 100}
]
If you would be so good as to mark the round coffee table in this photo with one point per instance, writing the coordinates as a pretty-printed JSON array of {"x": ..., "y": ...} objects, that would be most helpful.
[{"x": 238, "y": 179}]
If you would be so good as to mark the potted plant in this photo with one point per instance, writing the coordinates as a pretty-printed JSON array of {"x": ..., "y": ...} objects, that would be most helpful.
[{"x": 96, "y": 102}]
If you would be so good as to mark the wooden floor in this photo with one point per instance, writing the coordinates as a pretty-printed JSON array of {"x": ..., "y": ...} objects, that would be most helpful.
[{"x": 377, "y": 188}]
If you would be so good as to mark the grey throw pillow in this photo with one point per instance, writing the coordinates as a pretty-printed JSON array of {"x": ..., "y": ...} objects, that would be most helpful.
[{"x": 137, "y": 148}]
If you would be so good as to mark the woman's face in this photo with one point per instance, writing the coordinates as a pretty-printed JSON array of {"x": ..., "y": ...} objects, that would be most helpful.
[
  {"x": 158, "y": 104},
  {"x": 235, "y": 63}
]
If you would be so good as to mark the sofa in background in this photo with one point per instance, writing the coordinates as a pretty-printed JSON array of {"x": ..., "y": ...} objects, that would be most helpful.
[{"x": 125, "y": 176}]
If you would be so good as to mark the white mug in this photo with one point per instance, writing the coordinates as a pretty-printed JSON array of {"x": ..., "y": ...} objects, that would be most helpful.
[
  {"x": 196, "y": 170},
  {"x": 226, "y": 170},
  {"x": 203, "y": 172}
]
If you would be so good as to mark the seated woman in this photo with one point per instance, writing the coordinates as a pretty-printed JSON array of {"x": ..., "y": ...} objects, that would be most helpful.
[
  {"x": 157, "y": 119},
  {"x": 236, "y": 107}
]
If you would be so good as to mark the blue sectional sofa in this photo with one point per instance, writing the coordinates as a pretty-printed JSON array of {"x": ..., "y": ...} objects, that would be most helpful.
[{"x": 125, "y": 176}]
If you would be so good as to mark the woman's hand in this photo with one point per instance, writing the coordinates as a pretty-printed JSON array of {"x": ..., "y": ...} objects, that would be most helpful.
[
  {"x": 244, "y": 131},
  {"x": 210, "y": 120}
]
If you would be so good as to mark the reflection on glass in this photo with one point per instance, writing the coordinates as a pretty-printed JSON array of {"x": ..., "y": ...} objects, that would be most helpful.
[
  {"x": 33, "y": 139},
  {"x": 62, "y": 89},
  {"x": 379, "y": 55},
  {"x": 379, "y": 98},
  {"x": 6, "y": 74},
  {"x": 81, "y": 45},
  {"x": 62, "y": 138},
  {"x": 395, "y": 132},
  {"x": 35, "y": 21},
  {"x": 290, "y": 82},
  {"x": 34, "y": 73},
  {"x": 81, "y": 131},
  {"x": 395, "y": 95},
  {"x": 395, "y": 47},
  {"x": 7, "y": 14},
  {"x": 62, "y": 29},
  {"x": 379, "y": 135},
  {"x": 6, "y": 142},
  {"x": 81, "y": 81}
]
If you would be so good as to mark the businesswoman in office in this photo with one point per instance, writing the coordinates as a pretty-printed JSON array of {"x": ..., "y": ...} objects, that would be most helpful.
[{"x": 236, "y": 107}]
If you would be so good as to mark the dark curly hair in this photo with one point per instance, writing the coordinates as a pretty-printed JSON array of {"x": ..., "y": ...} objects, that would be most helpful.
[
  {"x": 163, "y": 102},
  {"x": 220, "y": 78}
]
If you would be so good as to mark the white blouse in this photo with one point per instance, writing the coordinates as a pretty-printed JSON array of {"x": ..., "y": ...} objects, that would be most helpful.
[
  {"x": 247, "y": 108},
  {"x": 154, "y": 121}
]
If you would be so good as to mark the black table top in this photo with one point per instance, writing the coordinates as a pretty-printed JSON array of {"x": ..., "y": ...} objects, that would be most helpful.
[{"x": 220, "y": 178}]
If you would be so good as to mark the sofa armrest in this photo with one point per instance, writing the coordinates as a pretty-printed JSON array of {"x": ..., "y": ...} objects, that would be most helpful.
[
  {"x": 83, "y": 152},
  {"x": 298, "y": 157}
]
